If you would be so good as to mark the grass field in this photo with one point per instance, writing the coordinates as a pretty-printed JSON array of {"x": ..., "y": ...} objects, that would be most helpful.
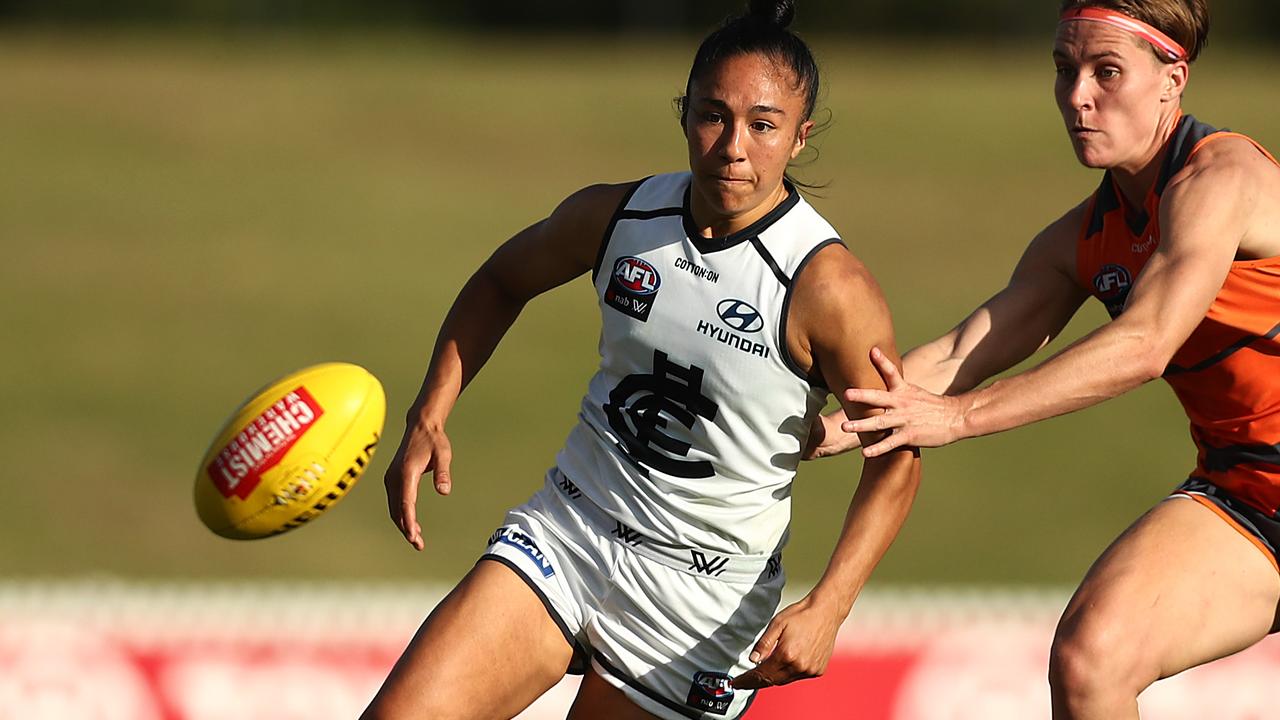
[{"x": 185, "y": 217}]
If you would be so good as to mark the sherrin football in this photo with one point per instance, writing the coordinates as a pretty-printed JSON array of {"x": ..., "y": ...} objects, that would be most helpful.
[{"x": 291, "y": 451}]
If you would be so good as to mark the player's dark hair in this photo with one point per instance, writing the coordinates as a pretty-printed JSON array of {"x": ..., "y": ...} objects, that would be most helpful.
[
  {"x": 762, "y": 29},
  {"x": 1186, "y": 21}
]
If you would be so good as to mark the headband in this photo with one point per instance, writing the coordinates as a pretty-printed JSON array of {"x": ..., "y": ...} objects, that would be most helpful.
[{"x": 1162, "y": 42}]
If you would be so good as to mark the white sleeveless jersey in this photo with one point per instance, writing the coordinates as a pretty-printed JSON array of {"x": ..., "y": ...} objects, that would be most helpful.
[{"x": 692, "y": 429}]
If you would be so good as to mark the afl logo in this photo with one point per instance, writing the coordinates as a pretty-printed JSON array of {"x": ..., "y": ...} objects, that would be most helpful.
[
  {"x": 739, "y": 316},
  {"x": 1112, "y": 280},
  {"x": 636, "y": 275}
]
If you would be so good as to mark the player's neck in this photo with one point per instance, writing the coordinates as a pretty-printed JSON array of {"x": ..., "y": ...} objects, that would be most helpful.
[{"x": 1136, "y": 178}]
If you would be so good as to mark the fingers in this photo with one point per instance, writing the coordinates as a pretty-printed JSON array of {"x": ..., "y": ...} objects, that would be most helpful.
[
  {"x": 888, "y": 371},
  {"x": 767, "y": 642},
  {"x": 408, "y": 508},
  {"x": 875, "y": 423},
  {"x": 888, "y": 444},
  {"x": 441, "y": 476},
  {"x": 871, "y": 397}
]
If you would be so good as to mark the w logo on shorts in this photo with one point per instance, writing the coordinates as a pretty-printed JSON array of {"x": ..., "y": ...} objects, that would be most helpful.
[
  {"x": 712, "y": 565},
  {"x": 627, "y": 535}
]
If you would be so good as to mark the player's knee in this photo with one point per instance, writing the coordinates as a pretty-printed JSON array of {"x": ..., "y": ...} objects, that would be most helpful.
[{"x": 1096, "y": 658}]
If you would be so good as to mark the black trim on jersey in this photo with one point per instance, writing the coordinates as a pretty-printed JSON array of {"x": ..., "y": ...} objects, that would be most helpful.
[
  {"x": 613, "y": 222},
  {"x": 707, "y": 245},
  {"x": 1105, "y": 201},
  {"x": 578, "y": 663},
  {"x": 1222, "y": 459},
  {"x": 786, "y": 311},
  {"x": 650, "y": 214},
  {"x": 1188, "y": 133},
  {"x": 1185, "y": 136},
  {"x": 1225, "y": 353},
  {"x": 773, "y": 264}
]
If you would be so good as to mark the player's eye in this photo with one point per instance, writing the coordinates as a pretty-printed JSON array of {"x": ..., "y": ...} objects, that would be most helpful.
[
  {"x": 761, "y": 126},
  {"x": 1108, "y": 73}
]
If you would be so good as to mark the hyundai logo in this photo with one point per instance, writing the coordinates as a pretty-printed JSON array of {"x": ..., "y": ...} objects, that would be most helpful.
[{"x": 739, "y": 316}]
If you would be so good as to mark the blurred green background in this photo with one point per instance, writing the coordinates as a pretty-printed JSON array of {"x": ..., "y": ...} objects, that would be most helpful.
[{"x": 193, "y": 205}]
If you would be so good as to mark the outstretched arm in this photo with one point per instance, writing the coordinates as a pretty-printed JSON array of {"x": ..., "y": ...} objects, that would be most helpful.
[
  {"x": 1027, "y": 314},
  {"x": 837, "y": 314},
  {"x": 1204, "y": 213},
  {"x": 539, "y": 258}
]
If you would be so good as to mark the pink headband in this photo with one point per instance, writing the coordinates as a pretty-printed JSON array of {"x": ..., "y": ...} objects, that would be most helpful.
[{"x": 1162, "y": 42}]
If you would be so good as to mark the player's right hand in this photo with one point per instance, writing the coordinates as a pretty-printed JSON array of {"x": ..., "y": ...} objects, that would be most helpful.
[{"x": 424, "y": 448}]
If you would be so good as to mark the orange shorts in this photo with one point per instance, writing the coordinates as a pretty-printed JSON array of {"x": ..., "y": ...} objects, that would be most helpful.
[{"x": 1260, "y": 528}]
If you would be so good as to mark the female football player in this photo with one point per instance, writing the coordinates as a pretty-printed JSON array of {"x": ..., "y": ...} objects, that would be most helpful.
[
  {"x": 651, "y": 558},
  {"x": 1181, "y": 242}
]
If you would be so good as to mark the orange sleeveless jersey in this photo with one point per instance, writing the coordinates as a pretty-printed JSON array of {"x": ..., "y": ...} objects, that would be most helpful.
[{"x": 1227, "y": 373}]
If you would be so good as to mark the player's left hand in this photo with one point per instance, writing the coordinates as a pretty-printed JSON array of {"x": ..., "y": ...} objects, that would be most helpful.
[
  {"x": 914, "y": 416},
  {"x": 796, "y": 645}
]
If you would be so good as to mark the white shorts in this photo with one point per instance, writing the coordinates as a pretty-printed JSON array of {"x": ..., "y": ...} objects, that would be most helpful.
[{"x": 667, "y": 625}]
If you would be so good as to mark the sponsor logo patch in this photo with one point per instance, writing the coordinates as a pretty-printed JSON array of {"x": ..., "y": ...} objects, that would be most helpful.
[
  {"x": 526, "y": 545},
  {"x": 263, "y": 443},
  {"x": 633, "y": 286},
  {"x": 711, "y": 692},
  {"x": 739, "y": 316}
]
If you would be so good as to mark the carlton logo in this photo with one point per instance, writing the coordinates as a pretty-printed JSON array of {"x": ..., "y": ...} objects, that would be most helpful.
[
  {"x": 636, "y": 275},
  {"x": 739, "y": 316},
  {"x": 263, "y": 443}
]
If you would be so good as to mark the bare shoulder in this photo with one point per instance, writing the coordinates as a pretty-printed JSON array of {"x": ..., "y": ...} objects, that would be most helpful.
[
  {"x": 592, "y": 207},
  {"x": 1053, "y": 249},
  {"x": 834, "y": 279},
  {"x": 577, "y": 226}
]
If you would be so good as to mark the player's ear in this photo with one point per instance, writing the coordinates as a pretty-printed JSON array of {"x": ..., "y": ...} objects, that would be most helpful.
[
  {"x": 1175, "y": 80},
  {"x": 802, "y": 137}
]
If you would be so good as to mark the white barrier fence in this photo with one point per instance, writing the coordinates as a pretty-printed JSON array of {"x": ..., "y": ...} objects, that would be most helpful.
[{"x": 125, "y": 651}]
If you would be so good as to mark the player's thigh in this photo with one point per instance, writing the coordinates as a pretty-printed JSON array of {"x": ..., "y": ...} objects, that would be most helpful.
[
  {"x": 488, "y": 650},
  {"x": 1179, "y": 588},
  {"x": 598, "y": 699}
]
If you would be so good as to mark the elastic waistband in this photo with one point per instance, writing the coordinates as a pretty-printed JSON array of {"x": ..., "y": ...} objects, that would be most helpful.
[{"x": 699, "y": 562}]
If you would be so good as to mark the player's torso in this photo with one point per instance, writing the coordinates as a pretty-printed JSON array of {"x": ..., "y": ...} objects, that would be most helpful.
[
  {"x": 1227, "y": 373},
  {"x": 693, "y": 425}
]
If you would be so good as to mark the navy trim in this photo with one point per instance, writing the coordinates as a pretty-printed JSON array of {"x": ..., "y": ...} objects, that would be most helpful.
[
  {"x": 1105, "y": 201},
  {"x": 707, "y": 245},
  {"x": 1185, "y": 137},
  {"x": 786, "y": 312},
  {"x": 577, "y": 664},
  {"x": 773, "y": 264},
  {"x": 647, "y": 692},
  {"x": 1178, "y": 148},
  {"x": 1221, "y": 459},
  {"x": 613, "y": 222},
  {"x": 1225, "y": 353}
]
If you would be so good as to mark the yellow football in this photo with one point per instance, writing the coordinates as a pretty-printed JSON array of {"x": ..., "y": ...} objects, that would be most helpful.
[{"x": 291, "y": 451}]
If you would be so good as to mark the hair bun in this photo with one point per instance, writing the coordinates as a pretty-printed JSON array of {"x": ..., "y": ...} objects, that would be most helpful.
[{"x": 774, "y": 12}]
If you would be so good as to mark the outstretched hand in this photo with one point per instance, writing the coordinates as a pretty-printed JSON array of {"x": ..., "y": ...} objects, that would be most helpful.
[
  {"x": 422, "y": 450},
  {"x": 914, "y": 416}
]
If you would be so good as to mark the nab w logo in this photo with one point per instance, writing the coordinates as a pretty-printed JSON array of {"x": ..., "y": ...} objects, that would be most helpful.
[
  {"x": 627, "y": 535},
  {"x": 739, "y": 315},
  {"x": 713, "y": 565},
  {"x": 569, "y": 488}
]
